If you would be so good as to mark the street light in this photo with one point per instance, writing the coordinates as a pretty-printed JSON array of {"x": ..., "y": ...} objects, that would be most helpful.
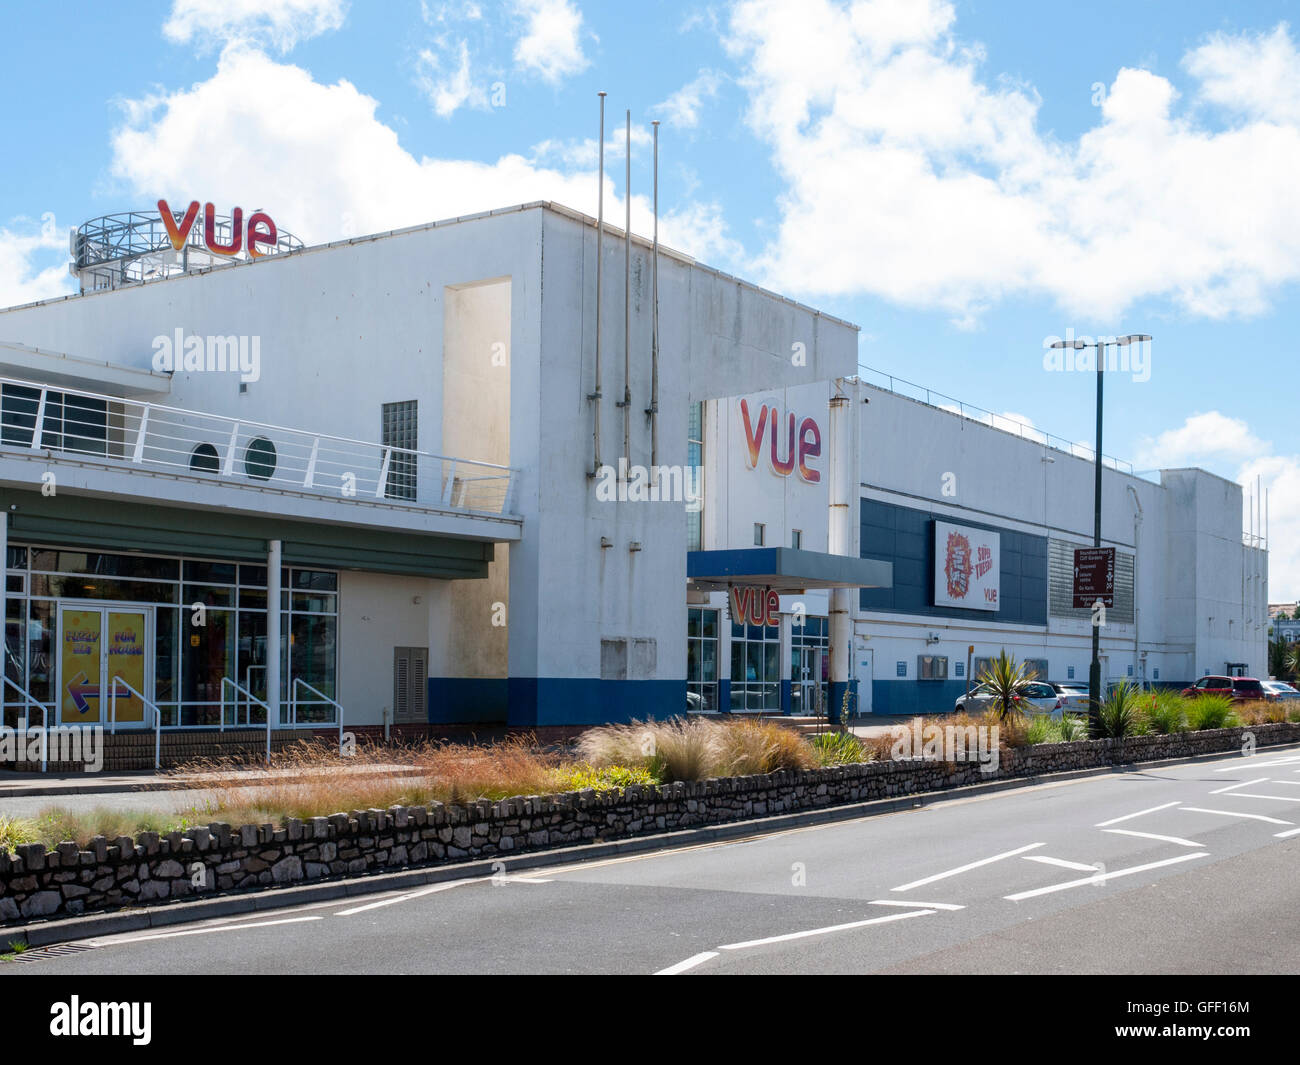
[{"x": 1094, "y": 670}]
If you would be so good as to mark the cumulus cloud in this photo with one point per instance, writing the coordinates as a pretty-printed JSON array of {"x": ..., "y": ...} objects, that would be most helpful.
[
  {"x": 682, "y": 108},
  {"x": 209, "y": 23},
  {"x": 550, "y": 44},
  {"x": 1221, "y": 444},
  {"x": 913, "y": 174},
  {"x": 33, "y": 262},
  {"x": 362, "y": 179},
  {"x": 449, "y": 90}
]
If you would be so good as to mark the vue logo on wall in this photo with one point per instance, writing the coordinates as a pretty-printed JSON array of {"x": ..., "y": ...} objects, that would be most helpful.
[
  {"x": 755, "y": 606},
  {"x": 801, "y": 444},
  {"x": 260, "y": 229}
]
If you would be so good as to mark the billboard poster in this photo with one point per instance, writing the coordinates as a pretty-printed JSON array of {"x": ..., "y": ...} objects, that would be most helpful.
[{"x": 966, "y": 567}]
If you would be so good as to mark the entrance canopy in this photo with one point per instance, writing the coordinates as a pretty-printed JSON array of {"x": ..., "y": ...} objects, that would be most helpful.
[{"x": 786, "y": 570}]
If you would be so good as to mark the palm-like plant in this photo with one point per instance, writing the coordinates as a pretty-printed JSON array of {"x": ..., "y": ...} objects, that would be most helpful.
[
  {"x": 1007, "y": 679},
  {"x": 1292, "y": 658}
]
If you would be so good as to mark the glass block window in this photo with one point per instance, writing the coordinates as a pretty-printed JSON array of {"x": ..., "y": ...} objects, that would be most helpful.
[{"x": 401, "y": 430}]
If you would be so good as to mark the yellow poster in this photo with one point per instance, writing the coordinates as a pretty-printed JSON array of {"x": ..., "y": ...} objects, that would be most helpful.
[
  {"x": 79, "y": 660},
  {"x": 126, "y": 642}
]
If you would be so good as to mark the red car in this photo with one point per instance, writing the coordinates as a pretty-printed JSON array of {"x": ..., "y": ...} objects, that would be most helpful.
[{"x": 1244, "y": 688}]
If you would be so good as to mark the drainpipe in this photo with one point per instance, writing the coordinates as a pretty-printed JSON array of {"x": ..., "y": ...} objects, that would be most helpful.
[
  {"x": 653, "y": 411},
  {"x": 600, "y": 246},
  {"x": 273, "y": 631},
  {"x": 840, "y": 541},
  {"x": 1138, "y": 664}
]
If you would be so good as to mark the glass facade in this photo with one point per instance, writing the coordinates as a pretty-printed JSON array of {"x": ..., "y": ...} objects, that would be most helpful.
[
  {"x": 701, "y": 659},
  {"x": 208, "y": 621},
  {"x": 810, "y": 659},
  {"x": 695, "y": 460},
  {"x": 755, "y": 667}
]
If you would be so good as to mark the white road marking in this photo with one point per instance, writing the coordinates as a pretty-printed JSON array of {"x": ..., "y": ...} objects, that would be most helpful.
[
  {"x": 824, "y": 931},
  {"x": 1243, "y": 784},
  {"x": 411, "y": 895},
  {"x": 114, "y": 941},
  {"x": 1261, "y": 765},
  {"x": 1101, "y": 878},
  {"x": 1151, "y": 835},
  {"x": 1236, "y": 813},
  {"x": 1289, "y": 832},
  {"x": 909, "y": 902},
  {"x": 1277, "y": 798},
  {"x": 689, "y": 963},
  {"x": 1289, "y": 783},
  {"x": 1060, "y": 862},
  {"x": 967, "y": 868},
  {"x": 1129, "y": 817}
]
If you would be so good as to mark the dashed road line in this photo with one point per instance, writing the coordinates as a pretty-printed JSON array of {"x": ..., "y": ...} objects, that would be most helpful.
[
  {"x": 1129, "y": 817},
  {"x": 1289, "y": 832},
  {"x": 411, "y": 895},
  {"x": 689, "y": 963},
  {"x": 1276, "y": 798},
  {"x": 1152, "y": 835},
  {"x": 116, "y": 941},
  {"x": 824, "y": 931},
  {"x": 910, "y": 902},
  {"x": 1102, "y": 878},
  {"x": 1060, "y": 863},
  {"x": 1234, "y": 787},
  {"x": 1236, "y": 813},
  {"x": 967, "y": 868}
]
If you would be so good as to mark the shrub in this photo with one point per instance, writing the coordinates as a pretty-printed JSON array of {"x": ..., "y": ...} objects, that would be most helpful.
[
  {"x": 1165, "y": 711},
  {"x": 582, "y": 777},
  {"x": 1039, "y": 729},
  {"x": 1072, "y": 727},
  {"x": 841, "y": 748},
  {"x": 1008, "y": 679},
  {"x": 1210, "y": 711},
  {"x": 1119, "y": 715},
  {"x": 747, "y": 747}
]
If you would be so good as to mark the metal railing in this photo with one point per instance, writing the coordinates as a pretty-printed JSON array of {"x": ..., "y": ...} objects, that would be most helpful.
[
  {"x": 29, "y": 701},
  {"x": 157, "y": 716},
  {"x": 934, "y": 398},
  {"x": 250, "y": 698},
  {"x": 320, "y": 697},
  {"x": 127, "y": 433}
]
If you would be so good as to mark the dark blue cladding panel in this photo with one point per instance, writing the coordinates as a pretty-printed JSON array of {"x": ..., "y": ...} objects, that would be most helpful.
[{"x": 905, "y": 537}]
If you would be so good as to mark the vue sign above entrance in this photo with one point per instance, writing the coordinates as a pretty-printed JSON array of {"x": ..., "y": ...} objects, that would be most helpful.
[
  {"x": 800, "y": 446},
  {"x": 260, "y": 229}
]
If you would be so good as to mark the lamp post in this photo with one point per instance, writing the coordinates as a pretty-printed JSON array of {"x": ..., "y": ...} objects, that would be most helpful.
[{"x": 1094, "y": 669}]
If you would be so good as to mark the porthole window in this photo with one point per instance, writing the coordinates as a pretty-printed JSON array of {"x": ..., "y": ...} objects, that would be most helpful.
[
  {"x": 259, "y": 459},
  {"x": 204, "y": 459}
]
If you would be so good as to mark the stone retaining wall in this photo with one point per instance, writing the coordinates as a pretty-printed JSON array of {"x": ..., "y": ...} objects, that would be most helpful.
[{"x": 202, "y": 861}]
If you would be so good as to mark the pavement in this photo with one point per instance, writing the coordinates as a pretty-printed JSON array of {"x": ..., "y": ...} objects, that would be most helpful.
[{"x": 1178, "y": 868}]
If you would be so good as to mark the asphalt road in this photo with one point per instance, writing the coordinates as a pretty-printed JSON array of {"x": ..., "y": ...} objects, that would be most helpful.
[{"x": 1181, "y": 869}]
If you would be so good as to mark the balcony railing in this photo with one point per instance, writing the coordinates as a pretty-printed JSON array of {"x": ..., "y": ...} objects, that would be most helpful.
[{"x": 123, "y": 433}]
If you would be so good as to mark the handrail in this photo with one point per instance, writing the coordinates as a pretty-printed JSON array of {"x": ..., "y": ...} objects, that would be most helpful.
[
  {"x": 293, "y": 703},
  {"x": 157, "y": 716},
  {"x": 225, "y": 449},
  {"x": 45, "y": 721},
  {"x": 252, "y": 699}
]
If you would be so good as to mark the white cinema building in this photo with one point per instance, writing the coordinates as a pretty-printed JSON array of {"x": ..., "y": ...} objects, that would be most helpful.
[{"x": 364, "y": 479}]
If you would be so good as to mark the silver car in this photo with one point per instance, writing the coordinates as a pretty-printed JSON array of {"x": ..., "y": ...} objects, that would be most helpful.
[
  {"x": 1074, "y": 696},
  {"x": 1035, "y": 698}
]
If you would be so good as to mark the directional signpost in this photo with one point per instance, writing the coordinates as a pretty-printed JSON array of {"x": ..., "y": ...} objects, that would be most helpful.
[{"x": 1094, "y": 577}]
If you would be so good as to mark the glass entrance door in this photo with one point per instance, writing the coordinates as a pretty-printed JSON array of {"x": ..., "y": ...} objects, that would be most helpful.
[
  {"x": 811, "y": 681},
  {"x": 97, "y": 644}
]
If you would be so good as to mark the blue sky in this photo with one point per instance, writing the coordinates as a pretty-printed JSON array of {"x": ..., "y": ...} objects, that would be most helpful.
[{"x": 963, "y": 179}]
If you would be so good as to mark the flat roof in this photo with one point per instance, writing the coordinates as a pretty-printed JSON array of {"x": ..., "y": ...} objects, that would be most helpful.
[{"x": 535, "y": 205}]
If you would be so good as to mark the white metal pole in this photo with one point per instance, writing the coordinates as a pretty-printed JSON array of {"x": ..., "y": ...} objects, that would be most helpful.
[{"x": 273, "y": 554}]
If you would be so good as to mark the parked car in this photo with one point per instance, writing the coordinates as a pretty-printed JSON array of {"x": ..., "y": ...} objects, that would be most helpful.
[
  {"x": 1278, "y": 690},
  {"x": 1037, "y": 697},
  {"x": 1073, "y": 696},
  {"x": 1244, "y": 688}
]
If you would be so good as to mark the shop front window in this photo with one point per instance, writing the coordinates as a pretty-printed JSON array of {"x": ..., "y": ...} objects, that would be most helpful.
[
  {"x": 701, "y": 660},
  {"x": 755, "y": 668}
]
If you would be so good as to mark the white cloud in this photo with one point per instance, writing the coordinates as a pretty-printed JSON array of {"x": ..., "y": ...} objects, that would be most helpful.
[
  {"x": 1201, "y": 438},
  {"x": 22, "y": 277},
  {"x": 912, "y": 175},
  {"x": 281, "y": 22},
  {"x": 278, "y": 124},
  {"x": 448, "y": 91},
  {"x": 551, "y": 43},
  {"x": 1225, "y": 445},
  {"x": 682, "y": 108}
]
